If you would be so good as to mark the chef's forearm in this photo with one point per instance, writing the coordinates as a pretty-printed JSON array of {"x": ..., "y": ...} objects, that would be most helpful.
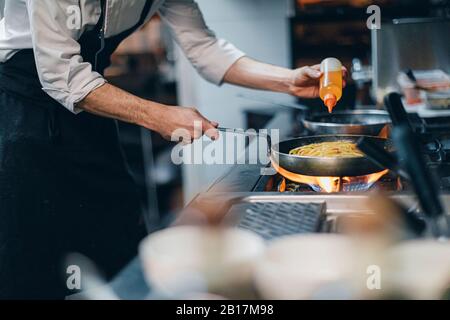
[
  {"x": 112, "y": 102},
  {"x": 257, "y": 75}
]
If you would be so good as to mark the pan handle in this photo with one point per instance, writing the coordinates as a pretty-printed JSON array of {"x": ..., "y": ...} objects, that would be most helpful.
[
  {"x": 422, "y": 180},
  {"x": 397, "y": 112},
  {"x": 250, "y": 134},
  {"x": 380, "y": 157}
]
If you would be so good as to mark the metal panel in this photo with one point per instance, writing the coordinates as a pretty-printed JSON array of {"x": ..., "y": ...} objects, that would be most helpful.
[{"x": 408, "y": 43}]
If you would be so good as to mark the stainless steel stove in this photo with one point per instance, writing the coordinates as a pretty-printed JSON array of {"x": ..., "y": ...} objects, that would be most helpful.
[
  {"x": 435, "y": 135},
  {"x": 243, "y": 185},
  {"x": 389, "y": 183}
]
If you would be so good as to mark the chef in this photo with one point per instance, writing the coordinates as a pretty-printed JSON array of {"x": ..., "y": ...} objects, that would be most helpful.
[{"x": 64, "y": 185}]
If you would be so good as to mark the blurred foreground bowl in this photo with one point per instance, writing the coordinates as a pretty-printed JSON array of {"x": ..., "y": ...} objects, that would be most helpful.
[
  {"x": 421, "y": 268},
  {"x": 296, "y": 267},
  {"x": 186, "y": 259}
]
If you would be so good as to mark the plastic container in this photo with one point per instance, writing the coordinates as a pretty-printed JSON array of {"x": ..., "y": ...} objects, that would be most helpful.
[
  {"x": 331, "y": 82},
  {"x": 435, "y": 80},
  {"x": 438, "y": 100}
]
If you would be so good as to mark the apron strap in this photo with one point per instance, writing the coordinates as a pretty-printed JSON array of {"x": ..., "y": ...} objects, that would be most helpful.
[{"x": 96, "y": 49}]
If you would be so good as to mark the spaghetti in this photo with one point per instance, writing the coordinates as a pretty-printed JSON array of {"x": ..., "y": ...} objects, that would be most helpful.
[{"x": 333, "y": 149}]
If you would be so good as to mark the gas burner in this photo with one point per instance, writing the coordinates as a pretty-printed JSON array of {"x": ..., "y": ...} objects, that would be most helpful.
[
  {"x": 335, "y": 184},
  {"x": 438, "y": 149},
  {"x": 382, "y": 180}
]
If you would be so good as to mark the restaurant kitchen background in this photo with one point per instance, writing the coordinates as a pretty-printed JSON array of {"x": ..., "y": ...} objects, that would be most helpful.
[
  {"x": 398, "y": 78},
  {"x": 287, "y": 33}
]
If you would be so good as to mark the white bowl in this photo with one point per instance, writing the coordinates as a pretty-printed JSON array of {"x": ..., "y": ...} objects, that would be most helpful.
[
  {"x": 421, "y": 268},
  {"x": 199, "y": 259},
  {"x": 295, "y": 267}
]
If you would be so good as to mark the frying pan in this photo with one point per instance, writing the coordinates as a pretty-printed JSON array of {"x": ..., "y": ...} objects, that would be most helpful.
[
  {"x": 320, "y": 166},
  {"x": 362, "y": 122},
  {"x": 326, "y": 167}
]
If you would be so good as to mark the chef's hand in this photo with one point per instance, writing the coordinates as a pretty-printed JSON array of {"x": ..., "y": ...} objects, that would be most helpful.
[
  {"x": 173, "y": 123},
  {"x": 305, "y": 81},
  {"x": 184, "y": 125}
]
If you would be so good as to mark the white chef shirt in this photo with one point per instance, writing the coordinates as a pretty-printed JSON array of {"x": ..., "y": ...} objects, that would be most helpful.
[{"x": 47, "y": 27}]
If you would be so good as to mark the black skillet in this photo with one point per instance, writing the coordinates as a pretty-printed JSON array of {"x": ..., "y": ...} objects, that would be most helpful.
[{"x": 320, "y": 166}]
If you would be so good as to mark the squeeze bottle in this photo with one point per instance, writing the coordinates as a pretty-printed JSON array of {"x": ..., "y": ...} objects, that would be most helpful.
[{"x": 331, "y": 82}]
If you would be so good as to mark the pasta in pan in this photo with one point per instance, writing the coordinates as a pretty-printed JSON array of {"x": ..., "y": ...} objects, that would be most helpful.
[{"x": 333, "y": 149}]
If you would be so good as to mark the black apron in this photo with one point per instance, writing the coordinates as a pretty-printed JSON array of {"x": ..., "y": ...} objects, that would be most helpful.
[{"x": 64, "y": 185}]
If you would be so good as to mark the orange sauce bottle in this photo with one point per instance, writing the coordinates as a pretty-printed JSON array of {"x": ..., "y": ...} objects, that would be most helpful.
[{"x": 331, "y": 82}]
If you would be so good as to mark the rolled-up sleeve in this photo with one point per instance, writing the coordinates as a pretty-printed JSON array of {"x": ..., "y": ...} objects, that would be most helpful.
[
  {"x": 62, "y": 72},
  {"x": 212, "y": 57}
]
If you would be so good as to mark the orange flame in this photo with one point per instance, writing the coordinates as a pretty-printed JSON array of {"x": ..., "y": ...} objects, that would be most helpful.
[
  {"x": 327, "y": 184},
  {"x": 384, "y": 133},
  {"x": 374, "y": 177},
  {"x": 282, "y": 187}
]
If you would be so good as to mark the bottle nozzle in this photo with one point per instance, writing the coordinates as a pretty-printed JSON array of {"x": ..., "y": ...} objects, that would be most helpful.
[{"x": 330, "y": 101}]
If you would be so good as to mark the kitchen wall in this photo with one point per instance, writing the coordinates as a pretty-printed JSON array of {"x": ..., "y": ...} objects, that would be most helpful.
[{"x": 261, "y": 29}]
